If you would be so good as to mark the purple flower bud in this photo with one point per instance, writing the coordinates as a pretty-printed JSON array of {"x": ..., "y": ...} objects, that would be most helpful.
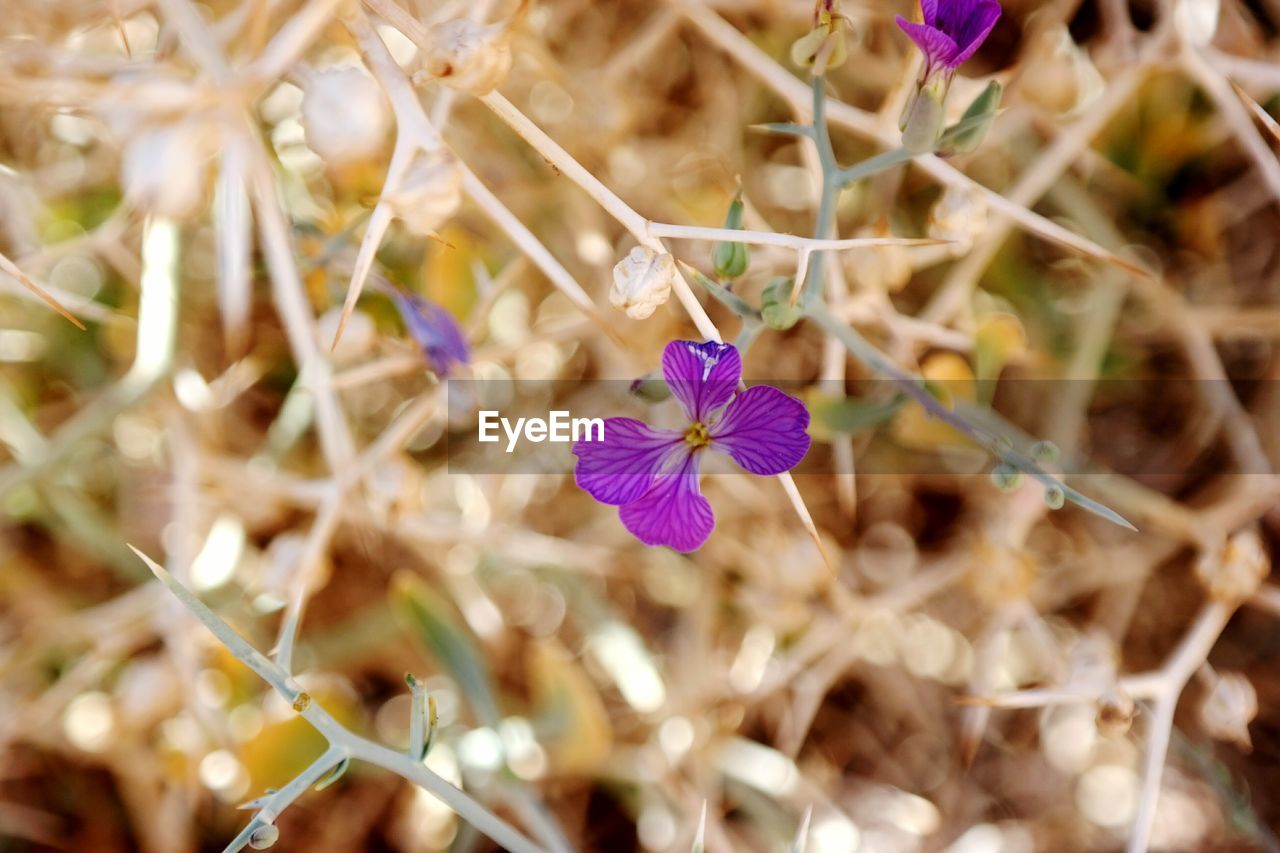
[
  {"x": 432, "y": 328},
  {"x": 952, "y": 31}
]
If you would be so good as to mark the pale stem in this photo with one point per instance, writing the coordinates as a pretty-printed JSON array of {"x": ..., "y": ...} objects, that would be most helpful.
[
  {"x": 338, "y": 736},
  {"x": 153, "y": 357},
  {"x": 292, "y": 41},
  {"x": 797, "y": 95}
]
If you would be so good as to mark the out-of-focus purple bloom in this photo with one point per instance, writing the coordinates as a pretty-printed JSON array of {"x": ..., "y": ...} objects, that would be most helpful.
[
  {"x": 952, "y": 31},
  {"x": 652, "y": 474},
  {"x": 432, "y": 328}
]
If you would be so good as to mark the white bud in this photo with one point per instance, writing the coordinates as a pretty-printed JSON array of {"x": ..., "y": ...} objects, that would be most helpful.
[
  {"x": 344, "y": 115},
  {"x": 1197, "y": 20},
  {"x": 959, "y": 215},
  {"x": 430, "y": 193},
  {"x": 163, "y": 169},
  {"x": 1061, "y": 76},
  {"x": 642, "y": 281},
  {"x": 469, "y": 56},
  {"x": 1229, "y": 707},
  {"x": 1234, "y": 573},
  {"x": 1116, "y": 710}
]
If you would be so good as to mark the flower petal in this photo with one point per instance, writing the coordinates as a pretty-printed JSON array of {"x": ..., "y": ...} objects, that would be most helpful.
[
  {"x": 938, "y": 47},
  {"x": 977, "y": 26},
  {"x": 701, "y": 376},
  {"x": 929, "y": 8},
  {"x": 950, "y": 15},
  {"x": 672, "y": 513},
  {"x": 621, "y": 468},
  {"x": 433, "y": 329},
  {"x": 763, "y": 430}
]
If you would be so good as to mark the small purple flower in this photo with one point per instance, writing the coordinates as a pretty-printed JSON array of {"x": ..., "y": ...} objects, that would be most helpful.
[
  {"x": 652, "y": 474},
  {"x": 432, "y": 328},
  {"x": 952, "y": 31}
]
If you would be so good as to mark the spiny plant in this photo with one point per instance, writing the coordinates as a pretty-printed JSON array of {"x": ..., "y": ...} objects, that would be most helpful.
[{"x": 304, "y": 171}]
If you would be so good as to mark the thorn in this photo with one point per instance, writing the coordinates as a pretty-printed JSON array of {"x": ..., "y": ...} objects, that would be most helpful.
[
  {"x": 9, "y": 267},
  {"x": 700, "y": 839},
  {"x": 348, "y": 308},
  {"x": 156, "y": 569}
]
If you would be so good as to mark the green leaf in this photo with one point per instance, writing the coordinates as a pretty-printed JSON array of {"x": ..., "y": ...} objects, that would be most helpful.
[
  {"x": 967, "y": 134},
  {"x": 437, "y": 624},
  {"x": 726, "y": 297},
  {"x": 852, "y": 415}
]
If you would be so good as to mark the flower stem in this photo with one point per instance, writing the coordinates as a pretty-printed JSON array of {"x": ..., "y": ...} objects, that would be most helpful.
[{"x": 995, "y": 444}]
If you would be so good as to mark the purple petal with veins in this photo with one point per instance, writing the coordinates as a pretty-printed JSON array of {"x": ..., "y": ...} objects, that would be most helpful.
[
  {"x": 621, "y": 468},
  {"x": 938, "y": 47},
  {"x": 672, "y": 513},
  {"x": 652, "y": 474},
  {"x": 977, "y": 26},
  {"x": 952, "y": 31},
  {"x": 763, "y": 430},
  {"x": 701, "y": 376}
]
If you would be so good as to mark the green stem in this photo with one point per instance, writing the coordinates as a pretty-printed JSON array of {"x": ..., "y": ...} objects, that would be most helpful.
[
  {"x": 872, "y": 166},
  {"x": 830, "y": 188},
  {"x": 749, "y": 335},
  {"x": 914, "y": 386}
]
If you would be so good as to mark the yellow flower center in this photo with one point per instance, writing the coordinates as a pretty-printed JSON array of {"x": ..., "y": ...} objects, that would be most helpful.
[{"x": 698, "y": 435}]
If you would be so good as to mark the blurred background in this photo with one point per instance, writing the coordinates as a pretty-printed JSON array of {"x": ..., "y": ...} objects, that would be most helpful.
[{"x": 194, "y": 182}]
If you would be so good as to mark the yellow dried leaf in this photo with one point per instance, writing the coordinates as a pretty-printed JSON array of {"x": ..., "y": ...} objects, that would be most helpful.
[
  {"x": 999, "y": 340},
  {"x": 949, "y": 378}
]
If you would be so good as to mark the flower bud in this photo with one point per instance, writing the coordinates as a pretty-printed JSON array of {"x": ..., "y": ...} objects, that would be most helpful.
[
  {"x": 344, "y": 115},
  {"x": 1116, "y": 710},
  {"x": 434, "y": 329},
  {"x": 1060, "y": 76},
  {"x": 469, "y": 56},
  {"x": 162, "y": 170},
  {"x": 430, "y": 193},
  {"x": 1234, "y": 573},
  {"x": 1044, "y": 452},
  {"x": 1229, "y": 707},
  {"x": 775, "y": 305},
  {"x": 967, "y": 134},
  {"x": 652, "y": 388},
  {"x": 806, "y": 49},
  {"x": 923, "y": 120},
  {"x": 732, "y": 259},
  {"x": 642, "y": 281},
  {"x": 1005, "y": 477}
]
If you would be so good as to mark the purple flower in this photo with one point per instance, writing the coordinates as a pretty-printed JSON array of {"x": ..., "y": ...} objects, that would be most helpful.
[
  {"x": 432, "y": 328},
  {"x": 652, "y": 474},
  {"x": 952, "y": 31}
]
